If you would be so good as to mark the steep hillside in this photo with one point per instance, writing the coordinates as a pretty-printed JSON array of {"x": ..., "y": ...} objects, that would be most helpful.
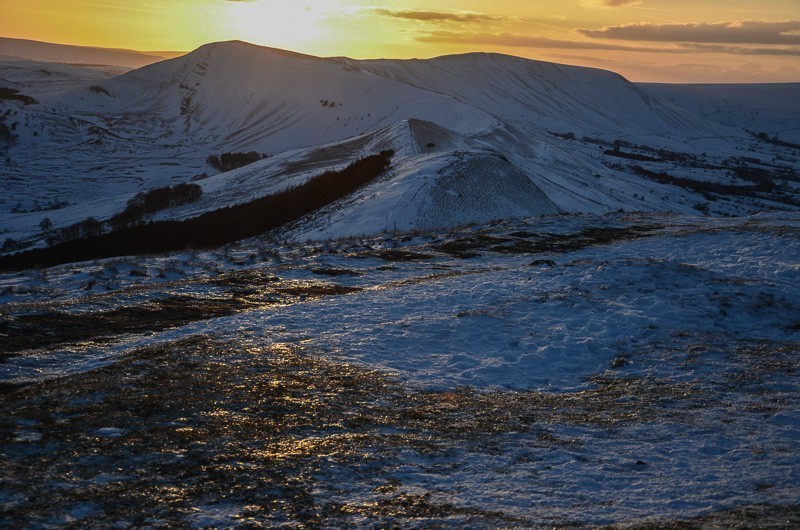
[
  {"x": 771, "y": 108},
  {"x": 539, "y": 95}
]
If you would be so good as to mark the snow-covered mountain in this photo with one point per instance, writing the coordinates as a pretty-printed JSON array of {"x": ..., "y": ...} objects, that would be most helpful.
[
  {"x": 235, "y": 96},
  {"x": 476, "y": 137},
  {"x": 87, "y": 56}
]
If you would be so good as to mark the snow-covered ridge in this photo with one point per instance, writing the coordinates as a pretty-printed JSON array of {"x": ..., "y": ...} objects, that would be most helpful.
[
  {"x": 493, "y": 118},
  {"x": 238, "y": 96},
  {"x": 22, "y": 49},
  {"x": 528, "y": 92}
]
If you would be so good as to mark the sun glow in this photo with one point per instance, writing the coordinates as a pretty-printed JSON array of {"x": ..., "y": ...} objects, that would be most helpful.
[
  {"x": 652, "y": 40},
  {"x": 289, "y": 25}
]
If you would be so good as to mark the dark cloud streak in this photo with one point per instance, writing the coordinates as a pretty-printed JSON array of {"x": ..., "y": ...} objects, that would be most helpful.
[
  {"x": 611, "y": 3},
  {"x": 521, "y": 41},
  {"x": 437, "y": 16},
  {"x": 737, "y": 32},
  {"x": 524, "y": 41},
  {"x": 738, "y": 50}
]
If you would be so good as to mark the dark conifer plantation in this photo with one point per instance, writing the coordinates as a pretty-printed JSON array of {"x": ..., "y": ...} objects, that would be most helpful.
[{"x": 211, "y": 229}]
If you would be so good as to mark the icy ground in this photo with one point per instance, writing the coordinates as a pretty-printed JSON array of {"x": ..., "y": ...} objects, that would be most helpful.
[{"x": 625, "y": 370}]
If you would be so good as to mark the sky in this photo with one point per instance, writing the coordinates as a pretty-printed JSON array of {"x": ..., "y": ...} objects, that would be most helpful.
[{"x": 645, "y": 40}]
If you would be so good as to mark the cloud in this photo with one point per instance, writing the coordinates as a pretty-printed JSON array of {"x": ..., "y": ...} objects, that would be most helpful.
[
  {"x": 736, "y": 32},
  {"x": 739, "y": 50},
  {"x": 521, "y": 41},
  {"x": 611, "y": 3},
  {"x": 526, "y": 41},
  {"x": 437, "y": 16}
]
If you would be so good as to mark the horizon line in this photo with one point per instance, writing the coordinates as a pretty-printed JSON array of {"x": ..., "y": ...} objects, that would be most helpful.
[{"x": 175, "y": 54}]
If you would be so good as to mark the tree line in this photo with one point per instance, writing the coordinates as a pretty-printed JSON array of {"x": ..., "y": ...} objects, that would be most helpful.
[{"x": 214, "y": 228}]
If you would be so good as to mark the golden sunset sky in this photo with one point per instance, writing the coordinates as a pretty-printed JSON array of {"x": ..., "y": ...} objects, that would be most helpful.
[{"x": 645, "y": 40}]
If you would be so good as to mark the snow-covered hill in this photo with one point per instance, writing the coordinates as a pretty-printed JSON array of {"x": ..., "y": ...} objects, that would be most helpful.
[
  {"x": 235, "y": 96},
  {"x": 771, "y": 108},
  {"x": 477, "y": 137},
  {"x": 534, "y": 94},
  {"x": 42, "y": 79},
  {"x": 87, "y": 56},
  {"x": 439, "y": 179}
]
